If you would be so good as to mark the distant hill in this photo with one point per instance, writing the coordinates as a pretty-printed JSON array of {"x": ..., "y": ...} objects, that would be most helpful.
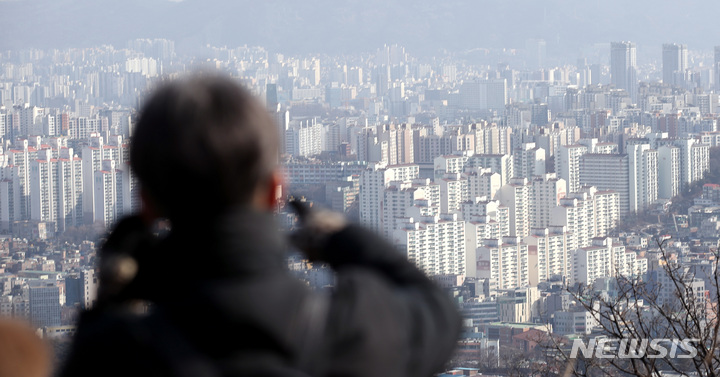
[{"x": 423, "y": 26}]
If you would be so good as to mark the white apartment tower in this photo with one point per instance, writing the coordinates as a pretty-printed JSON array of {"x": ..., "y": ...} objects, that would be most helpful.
[
  {"x": 643, "y": 175},
  {"x": 448, "y": 164},
  {"x": 484, "y": 220},
  {"x": 669, "y": 163},
  {"x": 43, "y": 188},
  {"x": 400, "y": 143},
  {"x": 548, "y": 255},
  {"x": 373, "y": 182},
  {"x": 435, "y": 244},
  {"x": 482, "y": 182},
  {"x": 491, "y": 214},
  {"x": 576, "y": 214},
  {"x": 504, "y": 261},
  {"x": 19, "y": 157},
  {"x": 453, "y": 192},
  {"x": 304, "y": 139},
  {"x": 567, "y": 165},
  {"x": 56, "y": 188},
  {"x": 547, "y": 190},
  {"x": 517, "y": 197},
  {"x": 401, "y": 195},
  {"x": 70, "y": 190},
  {"x": 694, "y": 158},
  {"x": 93, "y": 156},
  {"x": 106, "y": 194},
  {"x": 528, "y": 161},
  {"x": 3, "y": 123},
  {"x": 598, "y": 260},
  {"x": 607, "y": 210},
  {"x": 497, "y": 163},
  {"x": 83, "y": 127},
  {"x": 491, "y": 138}
]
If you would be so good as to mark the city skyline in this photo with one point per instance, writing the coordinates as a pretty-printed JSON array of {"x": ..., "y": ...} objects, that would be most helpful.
[
  {"x": 426, "y": 27},
  {"x": 509, "y": 184}
]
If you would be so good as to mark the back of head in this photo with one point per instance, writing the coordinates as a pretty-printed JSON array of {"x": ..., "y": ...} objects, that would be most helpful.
[{"x": 203, "y": 145}]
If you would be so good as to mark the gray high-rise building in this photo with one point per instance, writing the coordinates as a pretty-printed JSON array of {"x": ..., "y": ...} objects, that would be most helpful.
[
  {"x": 271, "y": 96},
  {"x": 623, "y": 67},
  {"x": 675, "y": 62},
  {"x": 716, "y": 67}
]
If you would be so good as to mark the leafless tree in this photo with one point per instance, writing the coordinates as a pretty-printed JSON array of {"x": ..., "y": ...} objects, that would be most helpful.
[{"x": 666, "y": 304}]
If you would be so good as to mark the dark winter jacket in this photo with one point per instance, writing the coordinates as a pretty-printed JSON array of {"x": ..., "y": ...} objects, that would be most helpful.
[{"x": 224, "y": 304}]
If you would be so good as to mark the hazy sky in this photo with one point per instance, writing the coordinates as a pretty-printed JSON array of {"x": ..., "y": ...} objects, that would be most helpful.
[{"x": 423, "y": 26}]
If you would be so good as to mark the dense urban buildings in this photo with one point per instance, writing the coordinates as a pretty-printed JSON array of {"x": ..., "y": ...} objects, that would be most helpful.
[{"x": 506, "y": 182}]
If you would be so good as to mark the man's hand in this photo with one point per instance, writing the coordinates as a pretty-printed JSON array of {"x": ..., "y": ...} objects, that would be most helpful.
[
  {"x": 119, "y": 257},
  {"x": 316, "y": 226}
]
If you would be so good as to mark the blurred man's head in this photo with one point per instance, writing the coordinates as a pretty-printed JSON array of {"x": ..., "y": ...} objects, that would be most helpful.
[{"x": 203, "y": 146}]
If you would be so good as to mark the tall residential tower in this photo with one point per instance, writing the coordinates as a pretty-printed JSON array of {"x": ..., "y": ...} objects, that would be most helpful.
[
  {"x": 623, "y": 67},
  {"x": 675, "y": 62}
]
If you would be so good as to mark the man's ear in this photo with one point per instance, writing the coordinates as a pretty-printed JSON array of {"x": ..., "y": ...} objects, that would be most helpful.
[
  {"x": 268, "y": 194},
  {"x": 277, "y": 186}
]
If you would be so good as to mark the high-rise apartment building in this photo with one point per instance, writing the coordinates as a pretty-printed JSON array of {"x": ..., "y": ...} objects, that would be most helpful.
[
  {"x": 567, "y": 165},
  {"x": 604, "y": 258},
  {"x": 81, "y": 289},
  {"x": 436, "y": 244},
  {"x": 548, "y": 254},
  {"x": 484, "y": 220},
  {"x": 528, "y": 161},
  {"x": 43, "y": 193},
  {"x": 497, "y": 163},
  {"x": 504, "y": 261},
  {"x": 491, "y": 138},
  {"x": 675, "y": 62},
  {"x": 56, "y": 188},
  {"x": 489, "y": 219},
  {"x": 516, "y": 195},
  {"x": 9, "y": 198},
  {"x": 547, "y": 190},
  {"x": 19, "y": 157},
  {"x": 401, "y": 195},
  {"x": 623, "y": 67},
  {"x": 606, "y": 210},
  {"x": 93, "y": 157},
  {"x": 453, "y": 192},
  {"x": 643, "y": 174},
  {"x": 586, "y": 214},
  {"x": 575, "y": 213},
  {"x": 608, "y": 172},
  {"x": 373, "y": 182},
  {"x": 536, "y": 52},
  {"x": 716, "y": 67},
  {"x": 399, "y": 140},
  {"x": 3, "y": 123},
  {"x": 271, "y": 97},
  {"x": 304, "y": 139},
  {"x": 694, "y": 161},
  {"x": 482, "y": 183}
]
